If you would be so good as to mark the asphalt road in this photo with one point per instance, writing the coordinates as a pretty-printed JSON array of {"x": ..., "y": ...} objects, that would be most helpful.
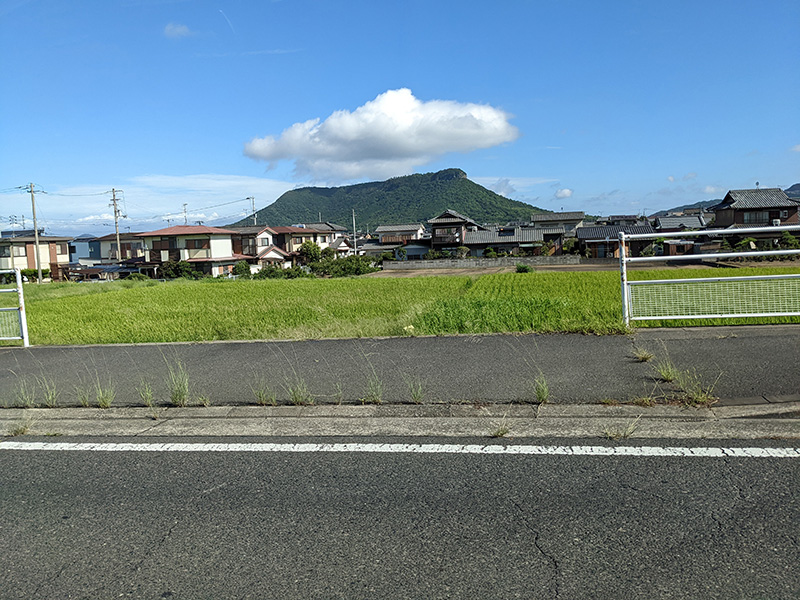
[
  {"x": 356, "y": 525},
  {"x": 737, "y": 362}
]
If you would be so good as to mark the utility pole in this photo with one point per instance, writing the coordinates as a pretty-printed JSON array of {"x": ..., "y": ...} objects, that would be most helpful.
[
  {"x": 35, "y": 237},
  {"x": 185, "y": 216},
  {"x": 116, "y": 222},
  {"x": 253, "y": 206},
  {"x": 355, "y": 235}
]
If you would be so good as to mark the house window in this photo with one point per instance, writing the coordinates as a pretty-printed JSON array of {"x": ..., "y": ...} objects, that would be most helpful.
[
  {"x": 198, "y": 244},
  {"x": 62, "y": 249},
  {"x": 264, "y": 242},
  {"x": 5, "y": 251},
  {"x": 297, "y": 240},
  {"x": 760, "y": 216},
  {"x": 18, "y": 250},
  {"x": 784, "y": 214}
]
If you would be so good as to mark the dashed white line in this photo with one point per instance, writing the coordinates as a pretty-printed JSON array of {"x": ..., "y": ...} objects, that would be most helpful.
[{"x": 633, "y": 451}]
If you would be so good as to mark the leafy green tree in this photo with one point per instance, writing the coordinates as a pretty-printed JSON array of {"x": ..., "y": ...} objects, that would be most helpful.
[
  {"x": 328, "y": 253},
  {"x": 310, "y": 252},
  {"x": 173, "y": 270},
  {"x": 242, "y": 269},
  {"x": 788, "y": 242}
]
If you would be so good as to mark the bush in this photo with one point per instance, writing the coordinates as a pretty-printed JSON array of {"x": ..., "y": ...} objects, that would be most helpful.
[
  {"x": 524, "y": 268},
  {"x": 328, "y": 253},
  {"x": 310, "y": 252},
  {"x": 242, "y": 269},
  {"x": 33, "y": 274},
  {"x": 174, "y": 270},
  {"x": 344, "y": 267},
  {"x": 788, "y": 242},
  {"x": 270, "y": 272},
  {"x": 490, "y": 253},
  {"x": 137, "y": 277}
]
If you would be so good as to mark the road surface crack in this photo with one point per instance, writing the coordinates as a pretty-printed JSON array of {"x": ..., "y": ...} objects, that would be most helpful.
[{"x": 555, "y": 579}]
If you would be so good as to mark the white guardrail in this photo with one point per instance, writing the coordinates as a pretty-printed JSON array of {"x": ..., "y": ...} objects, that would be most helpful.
[
  {"x": 708, "y": 297},
  {"x": 14, "y": 326}
]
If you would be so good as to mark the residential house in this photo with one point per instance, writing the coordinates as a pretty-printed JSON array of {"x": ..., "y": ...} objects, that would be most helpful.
[
  {"x": 19, "y": 252},
  {"x": 104, "y": 249},
  {"x": 260, "y": 241},
  {"x": 79, "y": 247},
  {"x": 603, "y": 241},
  {"x": 400, "y": 234},
  {"x": 568, "y": 221},
  {"x": 514, "y": 240},
  {"x": 448, "y": 230},
  {"x": 209, "y": 249},
  {"x": 755, "y": 208}
]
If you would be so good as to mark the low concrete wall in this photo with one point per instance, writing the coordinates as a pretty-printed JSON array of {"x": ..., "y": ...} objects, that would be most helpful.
[{"x": 487, "y": 263}]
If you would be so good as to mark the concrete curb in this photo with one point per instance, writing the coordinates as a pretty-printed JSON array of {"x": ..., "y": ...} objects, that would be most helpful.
[{"x": 780, "y": 421}]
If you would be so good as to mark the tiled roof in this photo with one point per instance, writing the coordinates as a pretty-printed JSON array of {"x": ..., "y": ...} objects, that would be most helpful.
[
  {"x": 687, "y": 222},
  {"x": 492, "y": 236},
  {"x": 32, "y": 239},
  {"x": 187, "y": 230},
  {"x": 252, "y": 229},
  {"x": 324, "y": 226},
  {"x": 558, "y": 216},
  {"x": 112, "y": 237},
  {"x": 393, "y": 228},
  {"x": 450, "y": 216},
  {"x": 289, "y": 229},
  {"x": 757, "y": 198},
  {"x": 272, "y": 248},
  {"x": 610, "y": 231},
  {"x": 235, "y": 257}
]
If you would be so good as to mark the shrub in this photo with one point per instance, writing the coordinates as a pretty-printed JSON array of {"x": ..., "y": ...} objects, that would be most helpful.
[
  {"x": 524, "y": 268},
  {"x": 33, "y": 274},
  {"x": 174, "y": 270},
  {"x": 490, "y": 253},
  {"x": 344, "y": 267},
  {"x": 310, "y": 252},
  {"x": 270, "y": 272},
  {"x": 788, "y": 242},
  {"x": 328, "y": 253},
  {"x": 242, "y": 269},
  {"x": 462, "y": 252},
  {"x": 137, "y": 277}
]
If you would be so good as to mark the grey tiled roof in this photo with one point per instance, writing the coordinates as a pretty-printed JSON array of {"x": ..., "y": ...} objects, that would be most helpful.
[
  {"x": 758, "y": 198},
  {"x": 610, "y": 231},
  {"x": 520, "y": 235},
  {"x": 687, "y": 222},
  {"x": 453, "y": 218},
  {"x": 558, "y": 216},
  {"x": 394, "y": 228}
]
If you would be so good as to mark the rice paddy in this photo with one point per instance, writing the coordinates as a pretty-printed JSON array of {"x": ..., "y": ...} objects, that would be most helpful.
[{"x": 135, "y": 312}]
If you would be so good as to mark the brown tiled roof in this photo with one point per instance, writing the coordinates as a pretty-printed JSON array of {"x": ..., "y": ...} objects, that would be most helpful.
[{"x": 188, "y": 230}]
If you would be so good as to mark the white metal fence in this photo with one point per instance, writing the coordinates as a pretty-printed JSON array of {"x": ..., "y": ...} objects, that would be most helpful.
[
  {"x": 13, "y": 323},
  {"x": 708, "y": 297}
]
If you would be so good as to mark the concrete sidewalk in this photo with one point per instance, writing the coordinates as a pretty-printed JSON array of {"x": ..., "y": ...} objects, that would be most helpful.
[{"x": 473, "y": 385}]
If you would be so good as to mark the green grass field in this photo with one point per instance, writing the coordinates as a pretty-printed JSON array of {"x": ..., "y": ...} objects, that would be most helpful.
[{"x": 124, "y": 312}]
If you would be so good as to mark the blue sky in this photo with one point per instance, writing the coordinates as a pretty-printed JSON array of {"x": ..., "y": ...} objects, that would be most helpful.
[{"x": 606, "y": 107}]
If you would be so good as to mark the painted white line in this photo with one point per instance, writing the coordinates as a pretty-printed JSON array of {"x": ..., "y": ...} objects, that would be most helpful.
[{"x": 636, "y": 451}]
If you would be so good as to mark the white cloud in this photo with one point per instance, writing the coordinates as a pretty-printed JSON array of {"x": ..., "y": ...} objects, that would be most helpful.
[
  {"x": 176, "y": 30},
  {"x": 670, "y": 178},
  {"x": 690, "y": 176},
  {"x": 713, "y": 189},
  {"x": 795, "y": 148},
  {"x": 386, "y": 137},
  {"x": 563, "y": 193}
]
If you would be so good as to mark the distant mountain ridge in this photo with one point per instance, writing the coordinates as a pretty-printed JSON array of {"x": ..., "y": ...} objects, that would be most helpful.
[{"x": 408, "y": 199}]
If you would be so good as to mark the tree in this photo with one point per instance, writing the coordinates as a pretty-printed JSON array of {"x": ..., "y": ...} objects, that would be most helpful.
[
  {"x": 173, "y": 270},
  {"x": 328, "y": 253},
  {"x": 310, "y": 252},
  {"x": 788, "y": 242},
  {"x": 242, "y": 269}
]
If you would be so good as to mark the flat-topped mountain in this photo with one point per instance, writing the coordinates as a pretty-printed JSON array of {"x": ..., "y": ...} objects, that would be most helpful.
[{"x": 408, "y": 199}]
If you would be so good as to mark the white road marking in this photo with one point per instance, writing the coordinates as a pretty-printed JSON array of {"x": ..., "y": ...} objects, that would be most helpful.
[{"x": 636, "y": 451}]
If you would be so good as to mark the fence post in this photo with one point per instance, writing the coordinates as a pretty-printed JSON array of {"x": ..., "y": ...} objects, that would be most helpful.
[
  {"x": 23, "y": 321},
  {"x": 623, "y": 270}
]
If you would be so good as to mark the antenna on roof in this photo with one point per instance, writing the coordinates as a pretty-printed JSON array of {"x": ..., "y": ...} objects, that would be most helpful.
[{"x": 756, "y": 185}]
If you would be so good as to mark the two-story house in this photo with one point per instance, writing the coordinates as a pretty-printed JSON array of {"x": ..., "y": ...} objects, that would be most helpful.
[
  {"x": 755, "y": 208},
  {"x": 209, "y": 249},
  {"x": 259, "y": 241},
  {"x": 448, "y": 230},
  {"x": 19, "y": 252},
  {"x": 568, "y": 221}
]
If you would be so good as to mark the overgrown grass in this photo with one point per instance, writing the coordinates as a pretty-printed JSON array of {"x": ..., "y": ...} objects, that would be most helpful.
[{"x": 132, "y": 312}]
